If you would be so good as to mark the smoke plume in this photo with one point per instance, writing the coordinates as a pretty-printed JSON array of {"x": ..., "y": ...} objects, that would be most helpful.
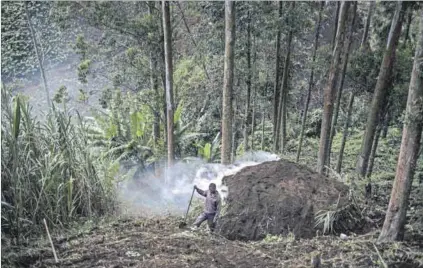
[{"x": 168, "y": 193}]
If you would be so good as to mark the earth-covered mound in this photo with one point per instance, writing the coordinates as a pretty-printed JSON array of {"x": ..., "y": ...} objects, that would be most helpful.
[{"x": 278, "y": 198}]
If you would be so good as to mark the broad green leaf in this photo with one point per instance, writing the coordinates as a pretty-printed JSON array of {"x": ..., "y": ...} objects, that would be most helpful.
[{"x": 178, "y": 113}]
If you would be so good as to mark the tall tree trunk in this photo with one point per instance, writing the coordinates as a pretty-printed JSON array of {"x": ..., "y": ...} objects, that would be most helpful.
[
  {"x": 228, "y": 80},
  {"x": 248, "y": 82},
  {"x": 156, "y": 109},
  {"x": 310, "y": 81},
  {"x": 330, "y": 89},
  {"x": 163, "y": 75},
  {"x": 262, "y": 127},
  {"x": 386, "y": 124},
  {"x": 37, "y": 54},
  {"x": 155, "y": 86},
  {"x": 281, "y": 119},
  {"x": 346, "y": 52},
  {"x": 167, "y": 31},
  {"x": 367, "y": 25},
  {"x": 254, "y": 85},
  {"x": 393, "y": 227},
  {"x": 335, "y": 30},
  {"x": 381, "y": 89},
  {"x": 408, "y": 24},
  {"x": 253, "y": 119},
  {"x": 345, "y": 133},
  {"x": 234, "y": 140},
  {"x": 276, "y": 91},
  {"x": 375, "y": 143},
  {"x": 373, "y": 152}
]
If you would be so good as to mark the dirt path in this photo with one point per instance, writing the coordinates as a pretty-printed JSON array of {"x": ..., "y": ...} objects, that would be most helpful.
[{"x": 159, "y": 243}]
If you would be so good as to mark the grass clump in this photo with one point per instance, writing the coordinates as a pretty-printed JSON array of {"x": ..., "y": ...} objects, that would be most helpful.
[{"x": 48, "y": 171}]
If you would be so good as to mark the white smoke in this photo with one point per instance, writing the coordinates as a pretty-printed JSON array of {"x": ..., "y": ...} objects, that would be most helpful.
[{"x": 169, "y": 192}]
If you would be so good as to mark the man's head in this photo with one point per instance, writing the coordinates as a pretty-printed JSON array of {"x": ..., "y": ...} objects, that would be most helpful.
[{"x": 212, "y": 188}]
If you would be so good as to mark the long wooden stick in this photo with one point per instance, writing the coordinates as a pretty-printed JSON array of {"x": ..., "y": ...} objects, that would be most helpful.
[
  {"x": 51, "y": 242},
  {"x": 380, "y": 257},
  {"x": 186, "y": 215}
]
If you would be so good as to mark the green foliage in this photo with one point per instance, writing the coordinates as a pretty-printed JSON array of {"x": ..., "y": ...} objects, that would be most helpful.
[
  {"x": 47, "y": 170},
  {"x": 83, "y": 70},
  {"x": 386, "y": 155},
  {"x": 272, "y": 239},
  {"x": 364, "y": 68},
  {"x": 17, "y": 47},
  {"x": 61, "y": 95},
  {"x": 210, "y": 151},
  {"x": 81, "y": 47},
  {"x": 188, "y": 76},
  {"x": 178, "y": 113},
  {"x": 16, "y": 117},
  {"x": 82, "y": 96},
  {"x": 131, "y": 53},
  {"x": 125, "y": 132},
  {"x": 326, "y": 219}
]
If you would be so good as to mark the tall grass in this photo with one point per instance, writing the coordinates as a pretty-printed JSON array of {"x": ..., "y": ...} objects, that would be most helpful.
[{"x": 48, "y": 170}]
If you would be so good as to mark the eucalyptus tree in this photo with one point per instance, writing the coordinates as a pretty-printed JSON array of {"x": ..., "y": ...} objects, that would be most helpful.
[
  {"x": 329, "y": 92},
  {"x": 394, "y": 224},
  {"x": 228, "y": 82},
  {"x": 380, "y": 93}
]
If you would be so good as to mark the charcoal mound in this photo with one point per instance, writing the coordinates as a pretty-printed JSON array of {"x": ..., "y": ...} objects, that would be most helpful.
[{"x": 277, "y": 198}]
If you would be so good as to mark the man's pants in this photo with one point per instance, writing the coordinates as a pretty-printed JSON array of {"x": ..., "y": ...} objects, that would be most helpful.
[{"x": 206, "y": 216}]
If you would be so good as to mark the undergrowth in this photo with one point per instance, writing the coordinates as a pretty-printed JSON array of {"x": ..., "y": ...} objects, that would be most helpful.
[{"x": 48, "y": 171}]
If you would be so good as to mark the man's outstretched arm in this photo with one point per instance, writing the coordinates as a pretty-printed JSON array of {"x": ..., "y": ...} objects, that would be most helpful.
[{"x": 201, "y": 192}]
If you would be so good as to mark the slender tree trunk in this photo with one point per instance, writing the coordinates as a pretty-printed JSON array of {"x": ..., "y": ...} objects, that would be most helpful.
[
  {"x": 346, "y": 53},
  {"x": 376, "y": 140},
  {"x": 367, "y": 25},
  {"x": 373, "y": 152},
  {"x": 156, "y": 109},
  {"x": 386, "y": 125},
  {"x": 345, "y": 133},
  {"x": 155, "y": 86},
  {"x": 330, "y": 90},
  {"x": 254, "y": 85},
  {"x": 37, "y": 54},
  {"x": 393, "y": 227},
  {"x": 281, "y": 119},
  {"x": 234, "y": 141},
  {"x": 335, "y": 30},
  {"x": 163, "y": 75},
  {"x": 380, "y": 90},
  {"x": 253, "y": 119},
  {"x": 248, "y": 82},
  {"x": 310, "y": 81},
  {"x": 277, "y": 81},
  {"x": 408, "y": 24},
  {"x": 167, "y": 31},
  {"x": 228, "y": 79},
  {"x": 263, "y": 121}
]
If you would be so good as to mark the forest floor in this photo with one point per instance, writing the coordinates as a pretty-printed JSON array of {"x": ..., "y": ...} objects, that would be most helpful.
[{"x": 158, "y": 242}]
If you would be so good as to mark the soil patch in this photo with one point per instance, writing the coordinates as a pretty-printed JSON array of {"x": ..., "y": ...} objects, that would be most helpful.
[
  {"x": 160, "y": 243},
  {"x": 280, "y": 197}
]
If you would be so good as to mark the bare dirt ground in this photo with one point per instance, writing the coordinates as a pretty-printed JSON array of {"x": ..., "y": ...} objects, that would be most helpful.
[{"x": 159, "y": 243}]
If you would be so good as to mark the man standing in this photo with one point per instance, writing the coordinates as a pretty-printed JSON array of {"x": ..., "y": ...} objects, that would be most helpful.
[{"x": 211, "y": 206}]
